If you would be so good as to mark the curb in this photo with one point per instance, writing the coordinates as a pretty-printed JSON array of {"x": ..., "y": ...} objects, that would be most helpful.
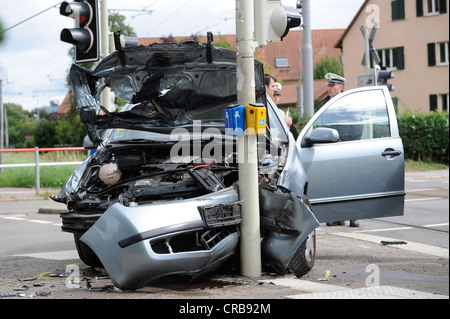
[{"x": 52, "y": 210}]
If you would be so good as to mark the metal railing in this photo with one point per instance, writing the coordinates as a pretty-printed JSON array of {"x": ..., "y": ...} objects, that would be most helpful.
[{"x": 36, "y": 163}]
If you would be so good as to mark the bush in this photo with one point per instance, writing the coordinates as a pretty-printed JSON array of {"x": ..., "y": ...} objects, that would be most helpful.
[{"x": 425, "y": 136}]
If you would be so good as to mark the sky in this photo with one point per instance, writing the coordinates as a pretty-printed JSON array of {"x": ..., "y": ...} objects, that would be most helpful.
[{"x": 34, "y": 62}]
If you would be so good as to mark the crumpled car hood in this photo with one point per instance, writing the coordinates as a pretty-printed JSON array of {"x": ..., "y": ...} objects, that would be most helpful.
[{"x": 169, "y": 85}]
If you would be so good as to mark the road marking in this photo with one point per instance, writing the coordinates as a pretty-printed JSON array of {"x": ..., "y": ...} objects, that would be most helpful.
[
  {"x": 424, "y": 199},
  {"x": 378, "y": 292},
  {"x": 436, "y": 225},
  {"x": 38, "y": 221},
  {"x": 314, "y": 290},
  {"x": 411, "y": 246},
  {"x": 54, "y": 255},
  {"x": 382, "y": 229},
  {"x": 13, "y": 218}
]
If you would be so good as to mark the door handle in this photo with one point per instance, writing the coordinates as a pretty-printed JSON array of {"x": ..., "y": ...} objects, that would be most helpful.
[{"x": 390, "y": 152}]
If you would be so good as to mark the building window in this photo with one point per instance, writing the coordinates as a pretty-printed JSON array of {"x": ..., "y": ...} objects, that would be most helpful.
[
  {"x": 433, "y": 102},
  {"x": 431, "y": 7},
  {"x": 398, "y": 10},
  {"x": 392, "y": 59},
  {"x": 443, "y": 53},
  {"x": 444, "y": 103},
  {"x": 281, "y": 63},
  {"x": 439, "y": 58}
]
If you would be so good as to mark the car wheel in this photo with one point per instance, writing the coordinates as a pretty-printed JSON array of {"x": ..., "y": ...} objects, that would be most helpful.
[
  {"x": 86, "y": 254},
  {"x": 305, "y": 256}
]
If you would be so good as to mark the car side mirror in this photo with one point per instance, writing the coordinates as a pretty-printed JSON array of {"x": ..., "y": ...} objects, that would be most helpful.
[
  {"x": 87, "y": 143},
  {"x": 324, "y": 135}
]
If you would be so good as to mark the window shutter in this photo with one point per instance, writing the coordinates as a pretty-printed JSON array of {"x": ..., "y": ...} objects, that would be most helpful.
[
  {"x": 400, "y": 52},
  {"x": 431, "y": 54},
  {"x": 442, "y": 6},
  {"x": 433, "y": 102},
  {"x": 394, "y": 5},
  {"x": 401, "y": 9},
  {"x": 398, "y": 9},
  {"x": 419, "y": 8}
]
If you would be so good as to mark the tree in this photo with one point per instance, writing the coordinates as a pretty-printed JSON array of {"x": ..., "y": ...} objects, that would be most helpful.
[
  {"x": 327, "y": 64},
  {"x": 117, "y": 22},
  {"x": 2, "y": 37}
]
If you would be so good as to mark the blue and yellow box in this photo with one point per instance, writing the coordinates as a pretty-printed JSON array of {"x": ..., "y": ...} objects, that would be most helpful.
[
  {"x": 235, "y": 120},
  {"x": 255, "y": 117}
]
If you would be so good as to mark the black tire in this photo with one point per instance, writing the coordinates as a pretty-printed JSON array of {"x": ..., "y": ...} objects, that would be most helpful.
[
  {"x": 86, "y": 254},
  {"x": 305, "y": 256}
]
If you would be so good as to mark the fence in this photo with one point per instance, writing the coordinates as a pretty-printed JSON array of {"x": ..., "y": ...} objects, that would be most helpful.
[{"x": 36, "y": 163}]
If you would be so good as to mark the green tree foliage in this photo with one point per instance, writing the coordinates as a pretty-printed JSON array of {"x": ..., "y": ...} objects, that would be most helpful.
[
  {"x": 44, "y": 135},
  {"x": 327, "y": 64},
  {"x": 117, "y": 22},
  {"x": 425, "y": 136},
  {"x": 2, "y": 37},
  {"x": 21, "y": 124}
]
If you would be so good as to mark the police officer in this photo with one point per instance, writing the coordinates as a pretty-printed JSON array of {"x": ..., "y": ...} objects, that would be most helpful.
[{"x": 335, "y": 84}]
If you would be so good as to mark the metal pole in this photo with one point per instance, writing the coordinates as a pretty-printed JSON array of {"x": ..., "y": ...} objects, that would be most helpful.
[
  {"x": 38, "y": 178},
  {"x": 300, "y": 108},
  {"x": 1, "y": 124},
  {"x": 106, "y": 94},
  {"x": 308, "y": 72},
  {"x": 367, "y": 47},
  {"x": 247, "y": 150}
]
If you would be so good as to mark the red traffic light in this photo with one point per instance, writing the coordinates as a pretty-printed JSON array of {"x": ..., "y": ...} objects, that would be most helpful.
[
  {"x": 85, "y": 35},
  {"x": 80, "y": 11}
]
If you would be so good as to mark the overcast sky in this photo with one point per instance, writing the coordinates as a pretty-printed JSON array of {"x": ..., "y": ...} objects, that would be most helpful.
[{"x": 34, "y": 62}]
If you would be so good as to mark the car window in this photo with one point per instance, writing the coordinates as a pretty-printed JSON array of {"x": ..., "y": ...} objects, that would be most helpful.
[
  {"x": 357, "y": 116},
  {"x": 276, "y": 128}
]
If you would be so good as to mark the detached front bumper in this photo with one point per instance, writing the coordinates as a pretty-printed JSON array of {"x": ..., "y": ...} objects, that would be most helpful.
[{"x": 140, "y": 244}]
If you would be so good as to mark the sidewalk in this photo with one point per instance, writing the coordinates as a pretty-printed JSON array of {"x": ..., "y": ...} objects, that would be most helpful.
[{"x": 19, "y": 194}]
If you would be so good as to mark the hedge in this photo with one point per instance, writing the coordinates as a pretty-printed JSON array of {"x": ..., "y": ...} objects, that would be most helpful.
[{"x": 425, "y": 136}]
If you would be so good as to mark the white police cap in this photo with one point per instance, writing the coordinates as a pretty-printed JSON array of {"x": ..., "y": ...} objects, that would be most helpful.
[{"x": 334, "y": 79}]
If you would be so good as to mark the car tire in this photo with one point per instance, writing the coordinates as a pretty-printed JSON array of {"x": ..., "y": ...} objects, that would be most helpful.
[
  {"x": 86, "y": 254},
  {"x": 305, "y": 256}
]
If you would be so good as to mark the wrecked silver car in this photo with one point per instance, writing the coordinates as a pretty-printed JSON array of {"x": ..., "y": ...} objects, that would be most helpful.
[{"x": 160, "y": 195}]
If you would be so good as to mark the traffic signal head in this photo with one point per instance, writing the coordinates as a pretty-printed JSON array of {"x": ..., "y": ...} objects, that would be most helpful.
[
  {"x": 383, "y": 77},
  {"x": 85, "y": 35},
  {"x": 273, "y": 20}
]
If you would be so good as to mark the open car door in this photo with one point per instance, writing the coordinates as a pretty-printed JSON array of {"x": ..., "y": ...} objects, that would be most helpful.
[{"x": 353, "y": 156}]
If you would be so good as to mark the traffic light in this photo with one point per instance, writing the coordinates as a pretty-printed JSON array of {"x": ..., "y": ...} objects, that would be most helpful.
[
  {"x": 273, "y": 20},
  {"x": 383, "y": 77},
  {"x": 85, "y": 35}
]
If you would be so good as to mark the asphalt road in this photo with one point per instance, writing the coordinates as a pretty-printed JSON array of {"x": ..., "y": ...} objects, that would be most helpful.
[{"x": 39, "y": 261}]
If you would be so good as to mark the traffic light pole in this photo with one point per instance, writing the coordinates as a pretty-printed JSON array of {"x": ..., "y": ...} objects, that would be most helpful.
[
  {"x": 106, "y": 94},
  {"x": 247, "y": 146}
]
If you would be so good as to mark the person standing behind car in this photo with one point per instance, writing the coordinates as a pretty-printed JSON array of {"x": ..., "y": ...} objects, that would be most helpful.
[
  {"x": 271, "y": 87},
  {"x": 335, "y": 84}
]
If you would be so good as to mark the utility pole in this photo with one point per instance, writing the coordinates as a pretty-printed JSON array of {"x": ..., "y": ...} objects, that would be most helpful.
[
  {"x": 1, "y": 122},
  {"x": 106, "y": 94},
  {"x": 308, "y": 73},
  {"x": 247, "y": 150}
]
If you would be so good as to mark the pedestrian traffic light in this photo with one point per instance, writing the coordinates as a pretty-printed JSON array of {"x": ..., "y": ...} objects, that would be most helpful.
[
  {"x": 85, "y": 35},
  {"x": 383, "y": 77},
  {"x": 273, "y": 20}
]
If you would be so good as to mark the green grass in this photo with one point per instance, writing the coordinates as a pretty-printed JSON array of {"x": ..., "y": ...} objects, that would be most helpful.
[
  {"x": 415, "y": 166},
  {"x": 50, "y": 176}
]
